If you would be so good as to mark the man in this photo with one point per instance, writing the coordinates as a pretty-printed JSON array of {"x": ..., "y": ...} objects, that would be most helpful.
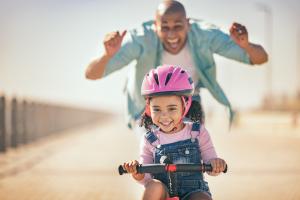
[{"x": 172, "y": 38}]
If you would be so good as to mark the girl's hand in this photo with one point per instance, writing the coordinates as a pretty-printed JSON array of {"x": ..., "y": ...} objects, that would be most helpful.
[
  {"x": 130, "y": 167},
  {"x": 239, "y": 35},
  {"x": 112, "y": 42},
  {"x": 218, "y": 166}
]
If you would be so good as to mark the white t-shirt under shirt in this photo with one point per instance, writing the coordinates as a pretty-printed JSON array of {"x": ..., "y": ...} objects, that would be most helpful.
[{"x": 183, "y": 59}]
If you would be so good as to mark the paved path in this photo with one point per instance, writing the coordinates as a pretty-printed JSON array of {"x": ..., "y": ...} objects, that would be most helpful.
[{"x": 82, "y": 164}]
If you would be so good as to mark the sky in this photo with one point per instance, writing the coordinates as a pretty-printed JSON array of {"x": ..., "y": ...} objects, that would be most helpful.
[{"x": 46, "y": 45}]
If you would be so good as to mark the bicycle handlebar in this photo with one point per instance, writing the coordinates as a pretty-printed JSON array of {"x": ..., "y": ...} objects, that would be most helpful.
[{"x": 161, "y": 168}]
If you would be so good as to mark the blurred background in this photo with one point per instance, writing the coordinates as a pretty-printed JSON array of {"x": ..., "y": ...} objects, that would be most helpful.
[{"x": 45, "y": 47}]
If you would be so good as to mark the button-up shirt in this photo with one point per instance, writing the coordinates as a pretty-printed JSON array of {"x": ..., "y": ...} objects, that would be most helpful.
[{"x": 143, "y": 46}]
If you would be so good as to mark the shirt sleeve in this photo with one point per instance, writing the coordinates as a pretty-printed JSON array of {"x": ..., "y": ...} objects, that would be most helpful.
[
  {"x": 207, "y": 148},
  {"x": 222, "y": 44},
  {"x": 146, "y": 157},
  {"x": 146, "y": 154},
  {"x": 129, "y": 51}
]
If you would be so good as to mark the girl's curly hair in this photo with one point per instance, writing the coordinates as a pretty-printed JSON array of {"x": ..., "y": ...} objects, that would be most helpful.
[{"x": 195, "y": 114}]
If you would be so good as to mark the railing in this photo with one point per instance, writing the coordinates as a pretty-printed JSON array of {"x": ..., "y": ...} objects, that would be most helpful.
[{"x": 23, "y": 121}]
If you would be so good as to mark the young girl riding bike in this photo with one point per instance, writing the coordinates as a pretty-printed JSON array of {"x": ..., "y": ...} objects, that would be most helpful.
[{"x": 176, "y": 133}]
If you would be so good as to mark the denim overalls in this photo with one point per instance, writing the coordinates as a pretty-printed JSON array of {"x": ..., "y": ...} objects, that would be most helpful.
[{"x": 181, "y": 152}]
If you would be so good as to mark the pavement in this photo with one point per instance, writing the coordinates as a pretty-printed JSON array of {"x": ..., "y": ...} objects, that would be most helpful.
[{"x": 82, "y": 163}]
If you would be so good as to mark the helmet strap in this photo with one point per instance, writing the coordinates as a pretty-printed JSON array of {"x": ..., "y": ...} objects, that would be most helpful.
[{"x": 186, "y": 106}]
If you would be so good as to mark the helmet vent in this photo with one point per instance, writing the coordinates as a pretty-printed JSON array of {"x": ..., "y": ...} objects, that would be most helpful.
[
  {"x": 156, "y": 78},
  {"x": 182, "y": 71},
  {"x": 168, "y": 78}
]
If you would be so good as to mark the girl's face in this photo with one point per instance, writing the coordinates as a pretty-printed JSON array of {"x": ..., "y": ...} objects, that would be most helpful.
[
  {"x": 166, "y": 113},
  {"x": 172, "y": 30}
]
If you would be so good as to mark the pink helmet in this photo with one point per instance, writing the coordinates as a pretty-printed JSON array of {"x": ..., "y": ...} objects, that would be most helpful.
[{"x": 168, "y": 79}]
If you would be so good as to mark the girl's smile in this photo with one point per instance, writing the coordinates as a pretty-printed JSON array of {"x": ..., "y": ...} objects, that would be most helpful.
[{"x": 166, "y": 124}]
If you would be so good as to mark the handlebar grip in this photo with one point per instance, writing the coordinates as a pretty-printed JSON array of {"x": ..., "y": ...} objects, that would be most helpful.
[
  {"x": 225, "y": 170},
  {"x": 208, "y": 168},
  {"x": 150, "y": 168},
  {"x": 122, "y": 170}
]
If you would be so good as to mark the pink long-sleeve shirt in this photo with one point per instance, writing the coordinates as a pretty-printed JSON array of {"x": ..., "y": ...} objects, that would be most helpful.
[{"x": 205, "y": 145}]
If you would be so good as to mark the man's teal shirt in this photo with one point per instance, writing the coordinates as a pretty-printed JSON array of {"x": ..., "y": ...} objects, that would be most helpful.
[{"x": 143, "y": 46}]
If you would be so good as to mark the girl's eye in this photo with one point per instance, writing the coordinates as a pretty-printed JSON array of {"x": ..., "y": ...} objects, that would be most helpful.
[
  {"x": 155, "y": 109},
  {"x": 172, "y": 109}
]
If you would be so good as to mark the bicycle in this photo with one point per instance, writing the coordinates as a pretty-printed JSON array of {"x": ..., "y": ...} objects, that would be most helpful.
[{"x": 170, "y": 169}]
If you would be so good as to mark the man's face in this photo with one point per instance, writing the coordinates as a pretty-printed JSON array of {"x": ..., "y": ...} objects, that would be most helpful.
[{"x": 172, "y": 30}]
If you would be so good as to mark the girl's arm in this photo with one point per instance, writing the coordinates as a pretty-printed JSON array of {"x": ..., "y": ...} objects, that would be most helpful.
[
  {"x": 206, "y": 146},
  {"x": 209, "y": 154},
  {"x": 146, "y": 157}
]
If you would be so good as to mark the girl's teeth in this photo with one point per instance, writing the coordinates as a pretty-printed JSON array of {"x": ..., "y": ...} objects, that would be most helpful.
[{"x": 166, "y": 123}]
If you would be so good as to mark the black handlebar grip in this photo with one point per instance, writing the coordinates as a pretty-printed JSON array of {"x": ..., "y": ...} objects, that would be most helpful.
[
  {"x": 226, "y": 168},
  {"x": 122, "y": 170},
  {"x": 208, "y": 168}
]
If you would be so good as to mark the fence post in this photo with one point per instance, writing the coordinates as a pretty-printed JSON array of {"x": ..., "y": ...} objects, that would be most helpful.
[
  {"x": 20, "y": 127},
  {"x": 33, "y": 113},
  {"x": 28, "y": 122},
  {"x": 24, "y": 122},
  {"x": 14, "y": 123},
  {"x": 2, "y": 125}
]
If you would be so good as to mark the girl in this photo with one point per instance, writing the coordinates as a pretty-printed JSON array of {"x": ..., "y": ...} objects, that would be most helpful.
[{"x": 168, "y": 91}]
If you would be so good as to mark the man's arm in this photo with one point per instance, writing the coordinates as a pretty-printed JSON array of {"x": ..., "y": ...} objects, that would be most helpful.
[
  {"x": 257, "y": 53},
  {"x": 96, "y": 68},
  {"x": 112, "y": 43}
]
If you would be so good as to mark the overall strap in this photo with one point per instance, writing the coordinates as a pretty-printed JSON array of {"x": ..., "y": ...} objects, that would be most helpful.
[
  {"x": 152, "y": 138},
  {"x": 195, "y": 129}
]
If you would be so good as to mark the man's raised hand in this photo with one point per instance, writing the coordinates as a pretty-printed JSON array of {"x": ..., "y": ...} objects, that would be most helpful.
[{"x": 112, "y": 42}]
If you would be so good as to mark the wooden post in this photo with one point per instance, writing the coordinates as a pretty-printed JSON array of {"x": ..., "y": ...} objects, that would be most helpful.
[
  {"x": 34, "y": 117},
  {"x": 24, "y": 123},
  {"x": 28, "y": 126},
  {"x": 14, "y": 123},
  {"x": 20, "y": 124},
  {"x": 2, "y": 125}
]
